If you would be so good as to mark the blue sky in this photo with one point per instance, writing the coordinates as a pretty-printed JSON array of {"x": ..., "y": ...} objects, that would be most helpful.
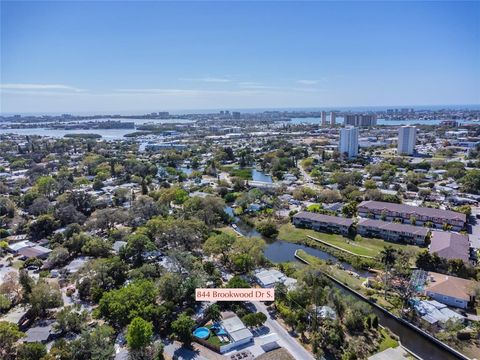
[{"x": 153, "y": 56}]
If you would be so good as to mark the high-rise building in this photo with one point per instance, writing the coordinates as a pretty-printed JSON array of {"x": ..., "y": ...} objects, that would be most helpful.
[
  {"x": 324, "y": 118},
  {"x": 348, "y": 141},
  {"x": 360, "y": 119},
  {"x": 332, "y": 118},
  {"x": 236, "y": 115},
  {"x": 407, "y": 137}
]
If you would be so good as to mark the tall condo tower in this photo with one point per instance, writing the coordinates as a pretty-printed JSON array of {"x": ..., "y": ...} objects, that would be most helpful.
[
  {"x": 360, "y": 119},
  {"x": 332, "y": 118},
  {"x": 324, "y": 118},
  {"x": 348, "y": 142},
  {"x": 407, "y": 137}
]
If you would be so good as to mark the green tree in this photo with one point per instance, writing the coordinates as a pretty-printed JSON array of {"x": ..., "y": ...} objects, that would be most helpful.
[
  {"x": 46, "y": 185},
  {"x": 350, "y": 209},
  {"x": 44, "y": 296},
  {"x": 26, "y": 282},
  {"x": 249, "y": 320},
  {"x": 213, "y": 313},
  {"x": 71, "y": 319},
  {"x": 139, "y": 334},
  {"x": 237, "y": 282},
  {"x": 94, "y": 344},
  {"x": 183, "y": 327},
  {"x": 137, "y": 245},
  {"x": 136, "y": 299},
  {"x": 31, "y": 351},
  {"x": 96, "y": 247},
  {"x": 7, "y": 207},
  {"x": 267, "y": 228},
  {"x": 219, "y": 244},
  {"x": 169, "y": 286},
  {"x": 43, "y": 227},
  {"x": 5, "y": 303},
  {"x": 471, "y": 181},
  {"x": 9, "y": 334},
  {"x": 387, "y": 257}
]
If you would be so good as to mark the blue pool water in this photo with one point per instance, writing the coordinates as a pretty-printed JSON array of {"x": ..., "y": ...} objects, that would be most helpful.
[{"x": 201, "y": 333}]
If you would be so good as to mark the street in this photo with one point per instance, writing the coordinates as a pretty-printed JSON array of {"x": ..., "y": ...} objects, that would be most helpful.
[{"x": 286, "y": 340}]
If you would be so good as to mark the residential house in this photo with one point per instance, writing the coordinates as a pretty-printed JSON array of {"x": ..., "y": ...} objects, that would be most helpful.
[
  {"x": 236, "y": 331},
  {"x": 450, "y": 290},
  {"x": 450, "y": 245},
  {"x": 434, "y": 312},
  {"x": 269, "y": 278}
]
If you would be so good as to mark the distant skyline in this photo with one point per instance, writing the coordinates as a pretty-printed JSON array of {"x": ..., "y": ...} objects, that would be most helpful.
[{"x": 135, "y": 57}]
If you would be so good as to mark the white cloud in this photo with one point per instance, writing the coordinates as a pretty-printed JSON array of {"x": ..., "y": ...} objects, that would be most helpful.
[
  {"x": 208, "y": 79},
  {"x": 181, "y": 92},
  {"x": 29, "y": 87}
]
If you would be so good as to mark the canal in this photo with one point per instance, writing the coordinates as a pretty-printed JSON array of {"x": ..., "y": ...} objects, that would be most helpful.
[
  {"x": 278, "y": 251},
  {"x": 283, "y": 251},
  {"x": 412, "y": 340}
]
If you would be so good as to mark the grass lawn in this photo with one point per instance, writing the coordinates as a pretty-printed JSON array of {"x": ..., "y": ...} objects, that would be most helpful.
[
  {"x": 228, "y": 230},
  {"x": 214, "y": 339},
  {"x": 386, "y": 341},
  {"x": 17, "y": 264},
  {"x": 245, "y": 173},
  {"x": 339, "y": 274},
  {"x": 364, "y": 246}
]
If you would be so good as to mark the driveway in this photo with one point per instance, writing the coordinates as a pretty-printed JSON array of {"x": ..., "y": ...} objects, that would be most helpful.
[{"x": 286, "y": 340}]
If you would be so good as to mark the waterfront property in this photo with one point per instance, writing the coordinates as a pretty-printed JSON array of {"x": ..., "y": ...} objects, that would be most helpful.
[
  {"x": 322, "y": 222},
  {"x": 412, "y": 214},
  {"x": 269, "y": 278},
  {"x": 450, "y": 290},
  {"x": 436, "y": 313},
  {"x": 391, "y": 231},
  {"x": 450, "y": 245}
]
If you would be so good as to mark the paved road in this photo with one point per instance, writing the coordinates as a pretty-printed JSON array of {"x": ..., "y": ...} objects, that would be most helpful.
[
  {"x": 286, "y": 340},
  {"x": 307, "y": 179},
  {"x": 474, "y": 228}
]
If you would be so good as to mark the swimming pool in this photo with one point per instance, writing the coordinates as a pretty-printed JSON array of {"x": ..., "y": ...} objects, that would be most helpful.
[{"x": 202, "y": 333}]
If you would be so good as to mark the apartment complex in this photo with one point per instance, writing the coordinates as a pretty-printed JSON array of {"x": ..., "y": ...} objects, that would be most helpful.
[
  {"x": 322, "y": 222},
  {"x": 392, "y": 232},
  {"x": 348, "y": 142},
  {"x": 407, "y": 137},
  {"x": 412, "y": 214},
  {"x": 360, "y": 119}
]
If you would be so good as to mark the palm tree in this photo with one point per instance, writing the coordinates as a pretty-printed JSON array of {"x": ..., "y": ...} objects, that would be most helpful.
[
  {"x": 213, "y": 312},
  {"x": 388, "y": 257}
]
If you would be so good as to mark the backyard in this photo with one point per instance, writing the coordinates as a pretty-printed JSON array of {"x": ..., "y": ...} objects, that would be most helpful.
[{"x": 214, "y": 339}]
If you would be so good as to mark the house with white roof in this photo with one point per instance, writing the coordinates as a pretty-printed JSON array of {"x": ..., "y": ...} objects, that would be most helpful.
[{"x": 269, "y": 278}]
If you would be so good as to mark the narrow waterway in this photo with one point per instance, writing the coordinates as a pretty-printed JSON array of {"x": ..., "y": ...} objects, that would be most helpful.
[
  {"x": 409, "y": 338},
  {"x": 278, "y": 251},
  {"x": 283, "y": 251}
]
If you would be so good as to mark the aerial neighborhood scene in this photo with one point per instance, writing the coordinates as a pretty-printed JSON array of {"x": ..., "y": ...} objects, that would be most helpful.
[{"x": 165, "y": 165}]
